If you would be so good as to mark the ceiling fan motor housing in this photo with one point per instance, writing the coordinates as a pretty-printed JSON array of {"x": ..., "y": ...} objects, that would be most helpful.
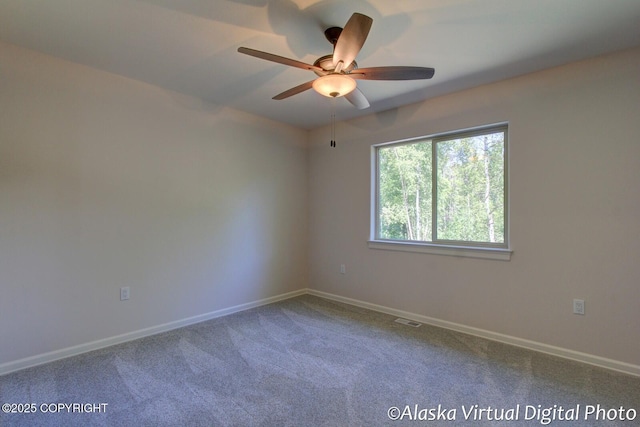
[{"x": 326, "y": 63}]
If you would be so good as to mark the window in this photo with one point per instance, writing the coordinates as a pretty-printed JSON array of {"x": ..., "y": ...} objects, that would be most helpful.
[{"x": 446, "y": 191}]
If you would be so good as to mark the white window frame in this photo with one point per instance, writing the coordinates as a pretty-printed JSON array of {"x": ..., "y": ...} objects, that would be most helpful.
[{"x": 501, "y": 251}]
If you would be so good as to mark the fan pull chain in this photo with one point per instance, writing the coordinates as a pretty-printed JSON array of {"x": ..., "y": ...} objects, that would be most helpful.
[
  {"x": 333, "y": 129},
  {"x": 333, "y": 122}
]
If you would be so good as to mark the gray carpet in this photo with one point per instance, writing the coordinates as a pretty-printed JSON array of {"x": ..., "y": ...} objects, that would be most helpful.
[{"x": 312, "y": 362}]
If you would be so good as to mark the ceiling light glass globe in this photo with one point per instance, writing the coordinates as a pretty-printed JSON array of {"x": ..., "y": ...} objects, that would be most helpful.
[{"x": 334, "y": 85}]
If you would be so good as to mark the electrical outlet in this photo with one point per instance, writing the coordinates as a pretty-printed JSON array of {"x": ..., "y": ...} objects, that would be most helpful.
[
  {"x": 124, "y": 293},
  {"x": 578, "y": 306},
  {"x": 343, "y": 269}
]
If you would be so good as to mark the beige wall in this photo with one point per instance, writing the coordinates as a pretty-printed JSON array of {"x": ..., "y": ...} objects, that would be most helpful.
[
  {"x": 107, "y": 182},
  {"x": 575, "y": 211}
]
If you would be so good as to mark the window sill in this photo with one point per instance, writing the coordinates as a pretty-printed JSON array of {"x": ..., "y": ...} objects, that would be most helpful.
[{"x": 430, "y": 248}]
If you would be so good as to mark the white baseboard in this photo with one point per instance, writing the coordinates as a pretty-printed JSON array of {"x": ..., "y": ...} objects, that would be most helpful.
[
  {"x": 590, "y": 359},
  {"x": 40, "y": 359}
]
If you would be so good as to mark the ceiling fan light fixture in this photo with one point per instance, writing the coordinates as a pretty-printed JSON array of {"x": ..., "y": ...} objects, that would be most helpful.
[{"x": 334, "y": 85}]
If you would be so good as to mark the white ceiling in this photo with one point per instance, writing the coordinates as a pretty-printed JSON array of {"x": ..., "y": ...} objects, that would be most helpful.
[{"x": 190, "y": 46}]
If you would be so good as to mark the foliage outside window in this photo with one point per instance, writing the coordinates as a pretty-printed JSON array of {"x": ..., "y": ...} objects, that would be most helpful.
[{"x": 445, "y": 190}]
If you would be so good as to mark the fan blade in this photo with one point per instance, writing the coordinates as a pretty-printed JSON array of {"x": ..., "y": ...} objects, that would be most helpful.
[
  {"x": 357, "y": 98},
  {"x": 392, "y": 73},
  {"x": 279, "y": 59},
  {"x": 351, "y": 39},
  {"x": 294, "y": 90}
]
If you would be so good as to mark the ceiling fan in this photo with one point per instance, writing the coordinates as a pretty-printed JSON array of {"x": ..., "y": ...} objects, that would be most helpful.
[{"x": 337, "y": 73}]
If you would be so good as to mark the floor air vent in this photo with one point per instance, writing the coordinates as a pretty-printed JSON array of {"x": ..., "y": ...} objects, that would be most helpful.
[{"x": 408, "y": 322}]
